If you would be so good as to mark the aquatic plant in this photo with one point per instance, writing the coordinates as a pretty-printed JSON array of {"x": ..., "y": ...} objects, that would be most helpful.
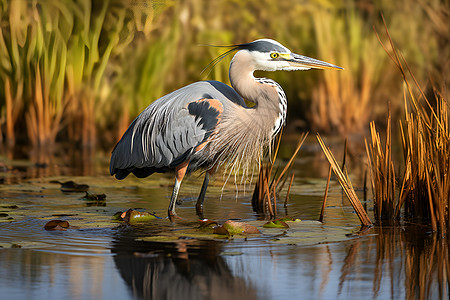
[
  {"x": 73, "y": 69},
  {"x": 53, "y": 57},
  {"x": 347, "y": 187},
  {"x": 424, "y": 194},
  {"x": 269, "y": 184}
]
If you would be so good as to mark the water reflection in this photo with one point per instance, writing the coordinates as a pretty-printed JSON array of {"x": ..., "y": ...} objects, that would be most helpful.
[
  {"x": 40, "y": 162},
  {"x": 406, "y": 262},
  {"x": 413, "y": 262},
  {"x": 185, "y": 269},
  {"x": 384, "y": 263}
]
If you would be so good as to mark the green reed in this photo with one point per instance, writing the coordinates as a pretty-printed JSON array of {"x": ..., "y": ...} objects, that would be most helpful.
[
  {"x": 54, "y": 55},
  {"x": 81, "y": 70}
]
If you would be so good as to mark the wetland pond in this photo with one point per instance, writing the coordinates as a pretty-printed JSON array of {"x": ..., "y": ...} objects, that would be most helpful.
[{"x": 100, "y": 258}]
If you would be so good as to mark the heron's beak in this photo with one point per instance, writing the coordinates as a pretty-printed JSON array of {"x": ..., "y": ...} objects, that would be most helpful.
[{"x": 300, "y": 61}]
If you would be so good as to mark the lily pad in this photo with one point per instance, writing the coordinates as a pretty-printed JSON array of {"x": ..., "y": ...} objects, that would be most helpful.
[
  {"x": 231, "y": 253},
  {"x": 276, "y": 224},
  {"x": 94, "y": 197},
  {"x": 159, "y": 238},
  {"x": 10, "y": 206},
  {"x": 23, "y": 244},
  {"x": 289, "y": 219},
  {"x": 133, "y": 216},
  {"x": 58, "y": 225},
  {"x": 221, "y": 230},
  {"x": 71, "y": 186},
  {"x": 234, "y": 227},
  {"x": 205, "y": 224}
]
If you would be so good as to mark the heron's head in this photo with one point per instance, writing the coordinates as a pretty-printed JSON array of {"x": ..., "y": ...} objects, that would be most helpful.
[{"x": 270, "y": 55}]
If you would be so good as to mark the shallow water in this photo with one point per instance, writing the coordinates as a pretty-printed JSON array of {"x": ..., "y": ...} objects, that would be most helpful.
[{"x": 107, "y": 260}]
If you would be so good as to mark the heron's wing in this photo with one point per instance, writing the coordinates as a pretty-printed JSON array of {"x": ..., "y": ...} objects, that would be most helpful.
[{"x": 168, "y": 131}]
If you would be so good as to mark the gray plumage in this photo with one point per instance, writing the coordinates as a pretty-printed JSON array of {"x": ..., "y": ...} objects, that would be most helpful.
[
  {"x": 207, "y": 124},
  {"x": 161, "y": 137}
]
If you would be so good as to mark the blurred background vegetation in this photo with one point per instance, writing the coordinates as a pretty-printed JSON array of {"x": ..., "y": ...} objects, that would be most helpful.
[{"x": 80, "y": 71}]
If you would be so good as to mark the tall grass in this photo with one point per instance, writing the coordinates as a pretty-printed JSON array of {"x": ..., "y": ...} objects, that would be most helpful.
[
  {"x": 269, "y": 183},
  {"x": 347, "y": 187},
  {"x": 53, "y": 56},
  {"x": 81, "y": 70},
  {"x": 424, "y": 194},
  {"x": 343, "y": 102}
]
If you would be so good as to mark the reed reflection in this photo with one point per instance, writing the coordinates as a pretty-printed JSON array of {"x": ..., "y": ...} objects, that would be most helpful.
[
  {"x": 40, "y": 162},
  {"x": 410, "y": 256}
]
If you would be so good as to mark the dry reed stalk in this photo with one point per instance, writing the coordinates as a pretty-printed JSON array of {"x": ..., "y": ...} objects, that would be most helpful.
[
  {"x": 425, "y": 189},
  {"x": 345, "y": 182},
  {"x": 289, "y": 190},
  {"x": 267, "y": 187},
  {"x": 382, "y": 170},
  {"x": 322, "y": 211}
]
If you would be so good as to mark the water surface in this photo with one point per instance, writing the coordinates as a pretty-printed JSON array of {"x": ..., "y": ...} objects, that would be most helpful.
[{"x": 106, "y": 260}]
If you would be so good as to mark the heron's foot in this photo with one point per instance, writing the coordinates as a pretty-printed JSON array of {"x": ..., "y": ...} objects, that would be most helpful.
[
  {"x": 199, "y": 210},
  {"x": 173, "y": 216}
]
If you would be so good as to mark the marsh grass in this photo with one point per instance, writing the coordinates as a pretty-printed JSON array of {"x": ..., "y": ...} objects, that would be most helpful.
[
  {"x": 81, "y": 70},
  {"x": 347, "y": 187},
  {"x": 424, "y": 194},
  {"x": 342, "y": 101},
  {"x": 53, "y": 57},
  {"x": 269, "y": 183}
]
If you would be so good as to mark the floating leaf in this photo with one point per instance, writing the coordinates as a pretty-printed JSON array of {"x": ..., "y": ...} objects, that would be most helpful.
[
  {"x": 159, "y": 238},
  {"x": 133, "y": 216},
  {"x": 10, "y": 206},
  {"x": 64, "y": 215},
  {"x": 94, "y": 197},
  {"x": 234, "y": 227},
  {"x": 276, "y": 224},
  {"x": 221, "y": 230},
  {"x": 289, "y": 219},
  {"x": 118, "y": 216},
  {"x": 71, "y": 186},
  {"x": 206, "y": 223},
  {"x": 58, "y": 225},
  {"x": 8, "y": 220}
]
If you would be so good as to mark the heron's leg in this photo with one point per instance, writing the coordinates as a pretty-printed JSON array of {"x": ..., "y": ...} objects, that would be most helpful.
[
  {"x": 180, "y": 171},
  {"x": 173, "y": 199},
  {"x": 201, "y": 197}
]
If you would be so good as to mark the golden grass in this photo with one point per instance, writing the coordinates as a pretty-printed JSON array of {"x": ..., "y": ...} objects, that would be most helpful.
[
  {"x": 102, "y": 62},
  {"x": 269, "y": 184},
  {"x": 424, "y": 194},
  {"x": 344, "y": 180},
  {"x": 383, "y": 174}
]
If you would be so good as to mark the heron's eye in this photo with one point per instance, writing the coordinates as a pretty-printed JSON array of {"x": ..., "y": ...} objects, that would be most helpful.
[{"x": 274, "y": 55}]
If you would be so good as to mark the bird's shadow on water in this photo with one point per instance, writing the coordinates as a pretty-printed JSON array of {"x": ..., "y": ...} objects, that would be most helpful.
[{"x": 181, "y": 269}]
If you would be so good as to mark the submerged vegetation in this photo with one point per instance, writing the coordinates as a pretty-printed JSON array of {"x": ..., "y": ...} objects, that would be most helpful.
[{"x": 79, "y": 71}]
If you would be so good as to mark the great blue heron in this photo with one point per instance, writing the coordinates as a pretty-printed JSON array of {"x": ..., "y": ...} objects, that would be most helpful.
[{"x": 207, "y": 123}]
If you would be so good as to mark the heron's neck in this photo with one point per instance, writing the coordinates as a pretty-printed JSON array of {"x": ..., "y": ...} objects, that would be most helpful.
[
  {"x": 242, "y": 79},
  {"x": 269, "y": 97}
]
